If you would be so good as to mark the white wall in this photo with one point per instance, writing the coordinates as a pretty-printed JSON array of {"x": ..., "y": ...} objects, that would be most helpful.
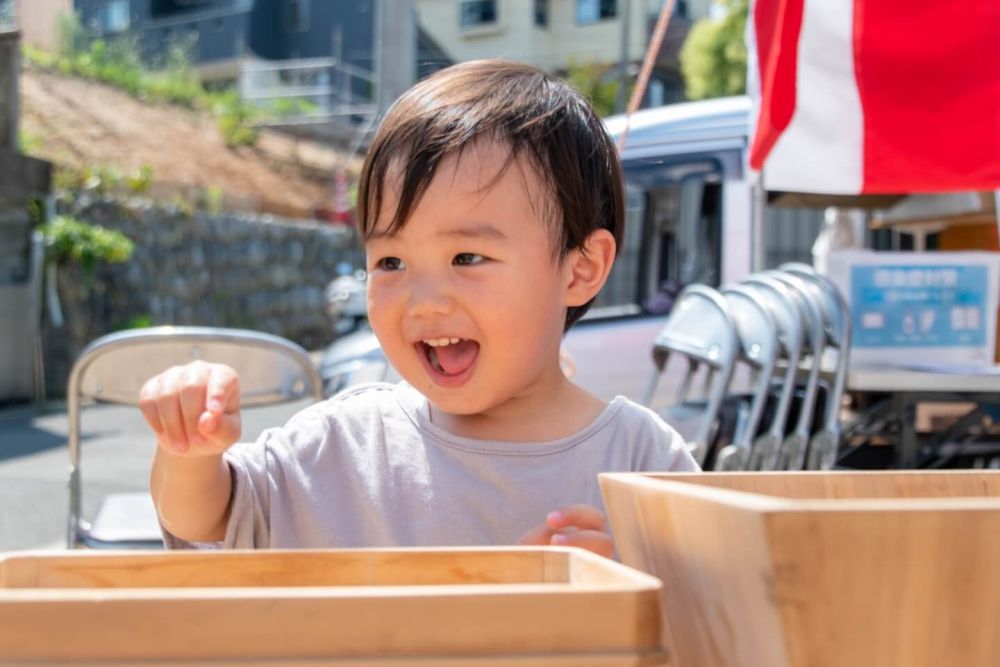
[{"x": 37, "y": 21}]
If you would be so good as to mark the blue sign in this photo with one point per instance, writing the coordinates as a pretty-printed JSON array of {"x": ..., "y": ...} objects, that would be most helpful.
[{"x": 919, "y": 306}]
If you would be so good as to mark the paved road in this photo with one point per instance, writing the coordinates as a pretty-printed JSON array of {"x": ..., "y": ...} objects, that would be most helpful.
[{"x": 116, "y": 452}]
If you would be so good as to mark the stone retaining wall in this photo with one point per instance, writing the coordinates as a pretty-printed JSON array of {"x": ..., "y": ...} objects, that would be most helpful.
[{"x": 253, "y": 272}]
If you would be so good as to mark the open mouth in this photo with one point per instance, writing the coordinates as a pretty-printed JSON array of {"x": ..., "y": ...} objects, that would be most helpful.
[{"x": 449, "y": 360}]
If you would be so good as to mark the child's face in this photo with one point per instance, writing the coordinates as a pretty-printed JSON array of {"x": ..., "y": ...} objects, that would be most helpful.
[{"x": 474, "y": 264}]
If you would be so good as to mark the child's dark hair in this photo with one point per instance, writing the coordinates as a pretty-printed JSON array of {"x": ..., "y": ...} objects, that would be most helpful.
[{"x": 535, "y": 114}]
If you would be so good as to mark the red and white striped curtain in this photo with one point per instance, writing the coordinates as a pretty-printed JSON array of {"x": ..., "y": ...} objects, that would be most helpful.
[{"x": 876, "y": 96}]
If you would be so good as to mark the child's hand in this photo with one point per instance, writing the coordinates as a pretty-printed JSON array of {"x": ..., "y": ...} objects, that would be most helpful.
[
  {"x": 574, "y": 526},
  {"x": 194, "y": 409}
]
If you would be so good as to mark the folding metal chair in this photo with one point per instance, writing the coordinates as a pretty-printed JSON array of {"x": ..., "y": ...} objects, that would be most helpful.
[
  {"x": 113, "y": 368},
  {"x": 699, "y": 328},
  {"x": 825, "y": 443},
  {"x": 353, "y": 359},
  {"x": 775, "y": 297},
  {"x": 795, "y": 446},
  {"x": 758, "y": 337}
]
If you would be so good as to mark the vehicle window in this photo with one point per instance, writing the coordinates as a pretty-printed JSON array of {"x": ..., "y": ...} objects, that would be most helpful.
[{"x": 672, "y": 234}]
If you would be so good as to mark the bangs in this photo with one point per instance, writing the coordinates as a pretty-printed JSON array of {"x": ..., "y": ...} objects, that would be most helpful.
[{"x": 546, "y": 126}]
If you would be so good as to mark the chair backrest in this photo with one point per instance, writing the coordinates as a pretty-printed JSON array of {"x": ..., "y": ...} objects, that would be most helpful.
[
  {"x": 759, "y": 345},
  {"x": 113, "y": 368},
  {"x": 700, "y": 328},
  {"x": 837, "y": 321},
  {"x": 836, "y": 314},
  {"x": 776, "y": 297},
  {"x": 796, "y": 443}
]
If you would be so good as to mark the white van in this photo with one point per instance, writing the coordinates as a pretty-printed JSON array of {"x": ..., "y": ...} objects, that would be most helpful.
[{"x": 689, "y": 220}]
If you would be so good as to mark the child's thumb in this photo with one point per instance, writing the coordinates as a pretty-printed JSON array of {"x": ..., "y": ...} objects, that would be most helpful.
[{"x": 220, "y": 429}]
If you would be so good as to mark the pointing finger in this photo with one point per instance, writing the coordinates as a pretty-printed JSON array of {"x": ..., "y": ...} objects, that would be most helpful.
[
  {"x": 192, "y": 399},
  {"x": 223, "y": 393}
]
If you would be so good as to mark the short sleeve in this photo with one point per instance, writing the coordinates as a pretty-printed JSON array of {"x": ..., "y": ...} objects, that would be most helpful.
[
  {"x": 248, "y": 515},
  {"x": 663, "y": 448}
]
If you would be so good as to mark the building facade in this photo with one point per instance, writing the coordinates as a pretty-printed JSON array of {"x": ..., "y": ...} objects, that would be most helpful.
[
  {"x": 320, "y": 53},
  {"x": 556, "y": 34}
]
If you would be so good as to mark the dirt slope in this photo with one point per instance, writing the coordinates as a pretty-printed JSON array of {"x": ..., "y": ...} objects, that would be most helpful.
[{"x": 79, "y": 123}]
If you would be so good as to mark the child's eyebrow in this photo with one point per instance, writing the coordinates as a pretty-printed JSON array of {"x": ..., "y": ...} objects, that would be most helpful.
[{"x": 475, "y": 231}]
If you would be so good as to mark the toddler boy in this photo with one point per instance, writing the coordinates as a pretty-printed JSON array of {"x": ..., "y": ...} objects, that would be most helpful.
[{"x": 491, "y": 204}]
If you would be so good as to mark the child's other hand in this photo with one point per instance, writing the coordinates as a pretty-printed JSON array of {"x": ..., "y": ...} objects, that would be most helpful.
[
  {"x": 573, "y": 526},
  {"x": 194, "y": 409}
]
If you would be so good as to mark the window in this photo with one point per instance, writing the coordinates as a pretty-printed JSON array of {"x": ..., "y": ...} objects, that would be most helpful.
[
  {"x": 297, "y": 18},
  {"x": 475, "y": 13},
  {"x": 542, "y": 13},
  {"x": 113, "y": 15},
  {"x": 592, "y": 11}
]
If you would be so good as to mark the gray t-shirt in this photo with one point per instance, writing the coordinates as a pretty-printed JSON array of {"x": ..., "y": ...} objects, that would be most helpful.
[{"x": 367, "y": 468}]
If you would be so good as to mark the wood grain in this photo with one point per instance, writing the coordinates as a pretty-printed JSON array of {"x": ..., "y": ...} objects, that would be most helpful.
[
  {"x": 814, "y": 569},
  {"x": 518, "y": 604}
]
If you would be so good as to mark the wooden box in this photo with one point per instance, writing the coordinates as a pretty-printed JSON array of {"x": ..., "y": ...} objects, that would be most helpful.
[
  {"x": 401, "y": 607},
  {"x": 815, "y": 569}
]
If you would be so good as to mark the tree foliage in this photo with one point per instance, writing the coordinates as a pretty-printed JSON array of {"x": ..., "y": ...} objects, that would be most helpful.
[
  {"x": 714, "y": 56},
  {"x": 593, "y": 81}
]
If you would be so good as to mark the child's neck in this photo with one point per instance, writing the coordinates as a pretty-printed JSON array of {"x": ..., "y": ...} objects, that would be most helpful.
[{"x": 558, "y": 412}]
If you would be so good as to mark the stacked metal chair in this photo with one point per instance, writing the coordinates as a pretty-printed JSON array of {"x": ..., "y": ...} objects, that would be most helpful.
[
  {"x": 791, "y": 328},
  {"x": 700, "y": 330}
]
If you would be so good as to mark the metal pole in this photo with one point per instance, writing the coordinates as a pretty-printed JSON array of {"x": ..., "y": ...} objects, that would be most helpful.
[
  {"x": 623, "y": 65},
  {"x": 395, "y": 50},
  {"x": 757, "y": 226}
]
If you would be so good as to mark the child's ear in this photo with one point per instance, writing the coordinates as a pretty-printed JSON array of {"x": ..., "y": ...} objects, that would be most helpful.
[{"x": 587, "y": 268}]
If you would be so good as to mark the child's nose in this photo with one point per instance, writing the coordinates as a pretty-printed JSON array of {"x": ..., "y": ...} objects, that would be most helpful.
[{"x": 429, "y": 297}]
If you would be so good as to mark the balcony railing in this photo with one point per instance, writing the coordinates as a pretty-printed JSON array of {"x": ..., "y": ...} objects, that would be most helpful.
[{"x": 331, "y": 88}]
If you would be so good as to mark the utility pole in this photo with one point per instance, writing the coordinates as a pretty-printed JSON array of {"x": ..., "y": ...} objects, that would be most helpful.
[{"x": 395, "y": 50}]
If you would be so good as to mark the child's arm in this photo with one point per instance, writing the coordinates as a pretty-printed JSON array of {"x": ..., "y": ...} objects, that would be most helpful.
[
  {"x": 574, "y": 526},
  {"x": 194, "y": 411}
]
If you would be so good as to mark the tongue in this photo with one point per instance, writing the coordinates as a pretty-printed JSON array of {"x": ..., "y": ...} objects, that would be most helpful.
[{"x": 456, "y": 358}]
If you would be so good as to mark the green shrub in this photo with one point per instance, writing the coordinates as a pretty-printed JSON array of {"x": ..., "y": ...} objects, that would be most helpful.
[
  {"x": 236, "y": 118},
  {"x": 27, "y": 142},
  {"x": 591, "y": 79},
  {"x": 68, "y": 240},
  {"x": 102, "y": 179},
  {"x": 212, "y": 200},
  {"x": 143, "y": 321},
  {"x": 140, "y": 180},
  {"x": 285, "y": 107}
]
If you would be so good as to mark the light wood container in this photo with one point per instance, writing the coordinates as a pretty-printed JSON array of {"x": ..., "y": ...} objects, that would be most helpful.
[
  {"x": 814, "y": 569},
  {"x": 398, "y": 607}
]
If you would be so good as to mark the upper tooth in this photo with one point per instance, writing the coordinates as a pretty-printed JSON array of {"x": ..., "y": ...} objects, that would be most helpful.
[{"x": 441, "y": 342}]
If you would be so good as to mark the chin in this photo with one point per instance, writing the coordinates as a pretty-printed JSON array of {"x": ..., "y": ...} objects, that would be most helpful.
[{"x": 458, "y": 401}]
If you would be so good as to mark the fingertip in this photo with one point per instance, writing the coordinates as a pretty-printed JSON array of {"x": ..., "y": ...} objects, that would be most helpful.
[
  {"x": 555, "y": 518},
  {"x": 560, "y": 540}
]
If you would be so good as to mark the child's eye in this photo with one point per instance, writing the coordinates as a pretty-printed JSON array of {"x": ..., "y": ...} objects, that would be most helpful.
[
  {"x": 390, "y": 264},
  {"x": 468, "y": 259}
]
